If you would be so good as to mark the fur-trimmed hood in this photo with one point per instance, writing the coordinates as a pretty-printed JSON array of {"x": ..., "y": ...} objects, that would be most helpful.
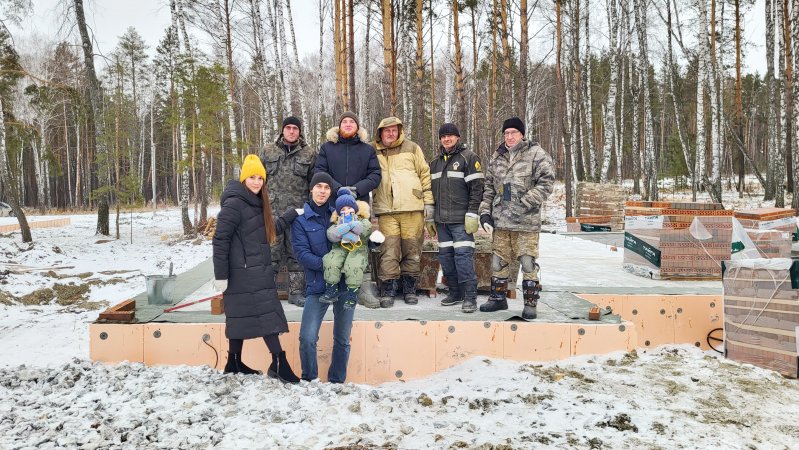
[
  {"x": 333, "y": 136},
  {"x": 363, "y": 211}
]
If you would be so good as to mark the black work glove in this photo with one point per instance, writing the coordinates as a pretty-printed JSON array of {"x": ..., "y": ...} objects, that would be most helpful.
[
  {"x": 289, "y": 215},
  {"x": 487, "y": 223}
]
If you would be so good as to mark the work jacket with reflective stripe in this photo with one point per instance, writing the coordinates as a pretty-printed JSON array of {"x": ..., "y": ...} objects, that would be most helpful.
[{"x": 457, "y": 180}]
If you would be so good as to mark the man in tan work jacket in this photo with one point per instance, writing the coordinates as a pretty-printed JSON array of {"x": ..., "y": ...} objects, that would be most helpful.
[{"x": 402, "y": 202}]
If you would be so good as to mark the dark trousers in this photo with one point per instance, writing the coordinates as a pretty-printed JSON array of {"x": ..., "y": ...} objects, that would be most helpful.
[{"x": 456, "y": 253}]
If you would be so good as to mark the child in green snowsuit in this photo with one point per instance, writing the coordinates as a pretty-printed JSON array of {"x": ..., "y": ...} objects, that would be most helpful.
[{"x": 349, "y": 231}]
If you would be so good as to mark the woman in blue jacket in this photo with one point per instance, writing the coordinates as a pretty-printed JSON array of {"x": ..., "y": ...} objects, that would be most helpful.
[{"x": 243, "y": 269}]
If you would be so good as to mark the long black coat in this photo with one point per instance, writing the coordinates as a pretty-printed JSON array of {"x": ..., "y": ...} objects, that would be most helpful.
[{"x": 242, "y": 256}]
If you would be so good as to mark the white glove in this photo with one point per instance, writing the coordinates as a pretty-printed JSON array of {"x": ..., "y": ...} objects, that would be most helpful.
[
  {"x": 488, "y": 228},
  {"x": 300, "y": 211},
  {"x": 220, "y": 285}
]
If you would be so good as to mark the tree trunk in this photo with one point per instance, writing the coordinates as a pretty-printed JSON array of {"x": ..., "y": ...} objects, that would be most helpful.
[
  {"x": 182, "y": 141},
  {"x": 670, "y": 77},
  {"x": 795, "y": 102},
  {"x": 389, "y": 57},
  {"x": 418, "y": 94},
  {"x": 523, "y": 81},
  {"x": 10, "y": 182},
  {"x": 649, "y": 161},
  {"x": 588, "y": 120},
  {"x": 609, "y": 115},
  {"x": 230, "y": 92},
  {"x": 299, "y": 96},
  {"x": 562, "y": 110},
  {"x": 771, "y": 127},
  {"x": 739, "y": 119},
  {"x": 713, "y": 185},
  {"x": 95, "y": 113}
]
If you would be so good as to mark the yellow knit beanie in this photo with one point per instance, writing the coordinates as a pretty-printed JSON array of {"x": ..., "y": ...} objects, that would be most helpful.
[{"x": 252, "y": 166}]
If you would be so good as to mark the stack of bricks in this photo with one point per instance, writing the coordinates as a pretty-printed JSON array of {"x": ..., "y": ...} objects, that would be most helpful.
[
  {"x": 771, "y": 229},
  {"x": 574, "y": 224},
  {"x": 761, "y": 314},
  {"x": 601, "y": 199},
  {"x": 659, "y": 243}
]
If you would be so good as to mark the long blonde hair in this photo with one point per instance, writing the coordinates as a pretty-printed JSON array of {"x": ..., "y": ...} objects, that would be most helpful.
[{"x": 269, "y": 221}]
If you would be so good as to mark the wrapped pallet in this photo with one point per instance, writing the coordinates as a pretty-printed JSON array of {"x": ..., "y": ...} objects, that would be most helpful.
[
  {"x": 761, "y": 313},
  {"x": 771, "y": 229},
  {"x": 589, "y": 224},
  {"x": 600, "y": 199},
  {"x": 670, "y": 240}
]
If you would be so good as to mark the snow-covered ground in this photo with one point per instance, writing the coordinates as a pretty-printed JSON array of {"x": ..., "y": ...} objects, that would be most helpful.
[{"x": 51, "y": 395}]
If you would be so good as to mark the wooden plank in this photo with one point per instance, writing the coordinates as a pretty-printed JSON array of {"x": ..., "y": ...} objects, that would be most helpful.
[{"x": 123, "y": 312}]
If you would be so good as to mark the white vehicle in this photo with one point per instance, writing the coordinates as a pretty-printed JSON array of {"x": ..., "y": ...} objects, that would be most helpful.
[{"x": 5, "y": 210}]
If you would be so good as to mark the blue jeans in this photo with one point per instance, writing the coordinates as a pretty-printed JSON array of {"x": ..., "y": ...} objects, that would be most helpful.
[
  {"x": 456, "y": 253},
  {"x": 312, "y": 315}
]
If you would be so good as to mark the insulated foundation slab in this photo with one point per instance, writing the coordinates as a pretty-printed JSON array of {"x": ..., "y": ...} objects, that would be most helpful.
[
  {"x": 379, "y": 351},
  {"x": 666, "y": 319},
  {"x": 114, "y": 343}
]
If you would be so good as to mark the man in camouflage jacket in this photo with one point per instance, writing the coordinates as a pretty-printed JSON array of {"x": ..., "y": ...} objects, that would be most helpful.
[
  {"x": 519, "y": 178},
  {"x": 289, "y": 163}
]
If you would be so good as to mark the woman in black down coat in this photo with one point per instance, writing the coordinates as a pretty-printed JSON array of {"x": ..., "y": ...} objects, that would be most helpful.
[{"x": 243, "y": 269}]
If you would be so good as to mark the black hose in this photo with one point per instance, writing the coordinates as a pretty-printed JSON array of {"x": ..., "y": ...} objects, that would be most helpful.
[
  {"x": 216, "y": 354},
  {"x": 715, "y": 339}
]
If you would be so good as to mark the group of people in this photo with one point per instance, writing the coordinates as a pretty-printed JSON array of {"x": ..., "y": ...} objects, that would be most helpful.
[{"x": 325, "y": 244}]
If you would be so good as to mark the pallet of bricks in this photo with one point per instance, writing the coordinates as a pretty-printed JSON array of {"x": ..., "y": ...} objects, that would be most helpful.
[
  {"x": 588, "y": 224},
  {"x": 659, "y": 243},
  {"x": 761, "y": 313},
  {"x": 772, "y": 230},
  {"x": 599, "y": 201}
]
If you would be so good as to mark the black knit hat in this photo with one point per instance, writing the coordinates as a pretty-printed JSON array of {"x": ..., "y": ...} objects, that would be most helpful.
[
  {"x": 291, "y": 120},
  {"x": 513, "y": 122},
  {"x": 351, "y": 115},
  {"x": 321, "y": 177},
  {"x": 448, "y": 129}
]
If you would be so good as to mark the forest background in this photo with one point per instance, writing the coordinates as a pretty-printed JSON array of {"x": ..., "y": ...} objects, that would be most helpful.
[{"x": 613, "y": 90}]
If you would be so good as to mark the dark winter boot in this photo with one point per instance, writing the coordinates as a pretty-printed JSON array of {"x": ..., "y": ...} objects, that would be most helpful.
[
  {"x": 330, "y": 295},
  {"x": 297, "y": 288},
  {"x": 281, "y": 370},
  {"x": 351, "y": 298},
  {"x": 469, "y": 291},
  {"x": 455, "y": 294},
  {"x": 388, "y": 289},
  {"x": 497, "y": 300},
  {"x": 409, "y": 289},
  {"x": 234, "y": 365},
  {"x": 530, "y": 291}
]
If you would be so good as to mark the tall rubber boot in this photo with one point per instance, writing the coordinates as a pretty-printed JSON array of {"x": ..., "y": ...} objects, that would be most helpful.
[
  {"x": 409, "y": 289},
  {"x": 366, "y": 296},
  {"x": 469, "y": 291},
  {"x": 388, "y": 289},
  {"x": 530, "y": 294},
  {"x": 234, "y": 365},
  {"x": 281, "y": 369},
  {"x": 497, "y": 301}
]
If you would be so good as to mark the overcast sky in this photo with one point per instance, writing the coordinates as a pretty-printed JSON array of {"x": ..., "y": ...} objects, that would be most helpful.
[{"x": 109, "y": 19}]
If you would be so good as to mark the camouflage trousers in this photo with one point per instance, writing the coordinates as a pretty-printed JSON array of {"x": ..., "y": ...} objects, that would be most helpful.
[
  {"x": 401, "y": 253},
  {"x": 351, "y": 263},
  {"x": 510, "y": 246},
  {"x": 283, "y": 256}
]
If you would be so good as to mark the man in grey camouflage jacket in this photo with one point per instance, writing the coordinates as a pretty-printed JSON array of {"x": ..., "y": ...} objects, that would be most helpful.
[
  {"x": 289, "y": 163},
  {"x": 519, "y": 178}
]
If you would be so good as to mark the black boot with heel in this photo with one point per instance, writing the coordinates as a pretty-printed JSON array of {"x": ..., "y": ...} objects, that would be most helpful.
[
  {"x": 234, "y": 365},
  {"x": 281, "y": 369}
]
